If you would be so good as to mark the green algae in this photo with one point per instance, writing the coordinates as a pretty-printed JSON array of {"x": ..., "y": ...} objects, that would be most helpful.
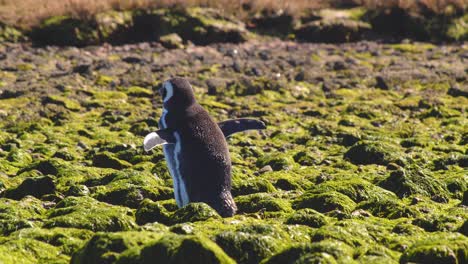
[
  {"x": 325, "y": 202},
  {"x": 440, "y": 248},
  {"x": 87, "y": 213},
  {"x": 108, "y": 247},
  {"x": 173, "y": 248},
  {"x": 302, "y": 194},
  {"x": 68, "y": 240},
  {"x": 15, "y": 215},
  {"x": 261, "y": 202},
  {"x": 308, "y": 217},
  {"x": 30, "y": 251}
]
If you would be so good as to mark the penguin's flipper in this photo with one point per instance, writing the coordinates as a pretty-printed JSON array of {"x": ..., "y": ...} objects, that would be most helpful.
[
  {"x": 232, "y": 126},
  {"x": 158, "y": 138}
]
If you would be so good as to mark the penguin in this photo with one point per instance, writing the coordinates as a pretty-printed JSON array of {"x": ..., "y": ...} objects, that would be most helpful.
[{"x": 195, "y": 148}]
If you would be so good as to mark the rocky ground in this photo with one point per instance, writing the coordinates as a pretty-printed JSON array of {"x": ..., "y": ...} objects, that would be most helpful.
[{"x": 364, "y": 160}]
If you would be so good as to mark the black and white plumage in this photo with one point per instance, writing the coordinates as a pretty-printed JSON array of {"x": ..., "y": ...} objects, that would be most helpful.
[{"x": 195, "y": 148}]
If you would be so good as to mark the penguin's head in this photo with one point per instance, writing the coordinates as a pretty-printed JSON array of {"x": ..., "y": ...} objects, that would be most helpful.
[{"x": 177, "y": 93}]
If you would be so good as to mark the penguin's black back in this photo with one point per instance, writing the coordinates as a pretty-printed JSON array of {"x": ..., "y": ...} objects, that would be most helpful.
[{"x": 205, "y": 163}]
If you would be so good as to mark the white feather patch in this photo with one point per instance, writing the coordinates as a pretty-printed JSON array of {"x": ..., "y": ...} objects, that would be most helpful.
[
  {"x": 152, "y": 140},
  {"x": 183, "y": 191},
  {"x": 169, "y": 91}
]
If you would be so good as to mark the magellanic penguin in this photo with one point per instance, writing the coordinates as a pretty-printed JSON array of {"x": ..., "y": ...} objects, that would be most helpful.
[{"x": 195, "y": 148}]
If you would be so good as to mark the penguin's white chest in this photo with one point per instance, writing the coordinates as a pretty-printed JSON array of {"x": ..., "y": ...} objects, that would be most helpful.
[{"x": 172, "y": 155}]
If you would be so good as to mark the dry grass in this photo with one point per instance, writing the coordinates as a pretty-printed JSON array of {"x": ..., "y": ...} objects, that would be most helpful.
[{"x": 27, "y": 13}]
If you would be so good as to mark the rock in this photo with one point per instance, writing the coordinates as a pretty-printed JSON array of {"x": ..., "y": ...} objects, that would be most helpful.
[
  {"x": 107, "y": 160},
  {"x": 456, "y": 90},
  {"x": 6, "y": 94},
  {"x": 272, "y": 23},
  {"x": 16, "y": 215},
  {"x": 171, "y": 41},
  {"x": 10, "y": 34},
  {"x": 251, "y": 186},
  {"x": 367, "y": 152},
  {"x": 266, "y": 168},
  {"x": 78, "y": 190},
  {"x": 408, "y": 181},
  {"x": 84, "y": 69},
  {"x": 36, "y": 187},
  {"x": 250, "y": 244},
  {"x": 216, "y": 86},
  {"x": 325, "y": 202},
  {"x": 276, "y": 162},
  {"x": 87, "y": 213},
  {"x": 332, "y": 31},
  {"x": 150, "y": 212},
  {"x": 115, "y": 27},
  {"x": 201, "y": 26},
  {"x": 308, "y": 217},
  {"x": 327, "y": 251},
  {"x": 387, "y": 208},
  {"x": 108, "y": 247},
  {"x": 381, "y": 83},
  {"x": 253, "y": 203},
  {"x": 178, "y": 249},
  {"x": 65, "y": 31},
  {"x": 194, "y": 212},
  {"x": 465, "y": 198},
  {"x": 437, "y": 249},
  {"x": 59, "y": 100},
  {"x": 137, "y": 91}
]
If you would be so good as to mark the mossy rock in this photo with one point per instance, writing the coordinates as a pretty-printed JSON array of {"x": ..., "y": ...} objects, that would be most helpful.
[
  {"x": 325, "y": 202},
  {"x": 107, "y": 247},
  {"x": 194, "y": 212},
  {"x": 36, "y": 187},
  {"x": 107, "y": 160},
  {"x": 171, "y": 41},
  {"x": 10, "y": 34},
  {"x": 276, "y": 161},
  {"x": 253, "y": 203},
  {"x": 369, "y": 152},
  {"x": 457, "y": 30},
  {"x": 87, "y": 213},
  {"x": 63, "y": 101},
  {"x": 65, "y": 31},
  {"x": 437, "y": 222},
  {"x": 252, "y": 243},
  {"x": 150, "y": 212},
  {"x": 137, "y": 91},
  {"x": 308, "y": 217},
  {"x": 129, "y": 187},
  {"x": 439, "y": 248},
  {"x": 336, "y": 30},
  {"x": 177, "y": 249},
  {"x": 19, "y": 158},
  {"x": 12, "y": 250},
  {"x": 413, "y": 180},
  {"x": 68, "y": 240},
  {"x": 115, "y": 27},
  {"x": 202, "y": 26},
  {"x": 387, "y": 208},
  {"x": 16, "y": 215},
  {"x": 243, "y": 187},
  {"x": 357, "y": 189},
  {"x": 327, "y": 251}
]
